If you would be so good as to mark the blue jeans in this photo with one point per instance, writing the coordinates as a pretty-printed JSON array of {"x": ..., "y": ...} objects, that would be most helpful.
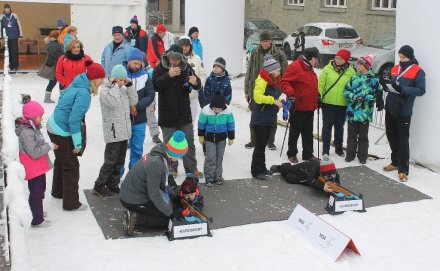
[{"x": 332, "y": 116}]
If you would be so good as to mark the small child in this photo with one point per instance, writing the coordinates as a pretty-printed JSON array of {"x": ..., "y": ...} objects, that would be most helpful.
[
  {"x": 216, "y": 123},
  {"x": 190, "y": 192},
  {"x": 118, "y": 97},
  {"x": 360, "y": 92},
  {"x": 33, "y": 153},
  {"x": 218, "y": 81}
]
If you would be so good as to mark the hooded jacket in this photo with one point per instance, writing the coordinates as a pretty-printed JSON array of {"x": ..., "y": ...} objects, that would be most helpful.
[
  {"x": 197, "y": 64},
  {"x": 213, "y": 84},
  {"x": 145, "y": 92},
  {"x": 54, "y": 51},
  {"x": 216, "y": 127},
  {"x": 264, "y": 112},
  {"x": 156, "y": 49},
  {"x": 146, "y": 181}
]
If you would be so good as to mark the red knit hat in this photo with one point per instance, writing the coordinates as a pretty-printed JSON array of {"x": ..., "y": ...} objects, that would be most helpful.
[
  {"x": 188, "y": 186},
  {"x": 94, "y": 70},
  {"x": 161, "y": 28},
  {"x": 367, "y": 60},
  {"x": 345, "y": 54}
]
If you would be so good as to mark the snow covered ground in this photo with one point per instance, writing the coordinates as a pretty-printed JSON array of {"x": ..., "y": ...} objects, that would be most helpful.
[{"x": 392, "y": 237}]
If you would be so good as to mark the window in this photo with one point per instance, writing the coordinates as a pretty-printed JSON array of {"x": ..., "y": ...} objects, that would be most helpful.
[
  {"x": 312, "y": 31},
  {"x": 295, "y": 3},
  {"x": 389, "y": 5},
  {"x": 335, "y": 3}
]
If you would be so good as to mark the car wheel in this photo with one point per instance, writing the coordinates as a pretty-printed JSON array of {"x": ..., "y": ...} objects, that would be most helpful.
[
  {"x": 385, "y": 72},
  {"x": 288, "y": 51}
]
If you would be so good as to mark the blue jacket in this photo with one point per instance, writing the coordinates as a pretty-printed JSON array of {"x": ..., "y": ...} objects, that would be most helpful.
[
  {"x": 144, "y": 87},
  {"x": 72, "y": 106},
  {"x": 110, "y": 59},
  {"x": 264, "y": 111},
  {"x": 67, "y": 39},
  {"x": 13, "y": 32},
  {"x": 213, "y": 84},
  {"x": 197, "y": 47},
  {"x": 412, "y": 85},
  {"x": 216, "y": 127}
]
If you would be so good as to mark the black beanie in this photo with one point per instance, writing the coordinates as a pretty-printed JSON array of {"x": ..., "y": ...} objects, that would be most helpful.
[
  {"x": 176, "y": 48},
  {"x": 407, "y": 51},
  {"x": 192, "y": 30},
  {"x": 221, "y": 62},
  {"x": 218, "y": 101},
  {"x": 311, "y": 52},
  {"x": 265, "y": 35},
  {"x": 117, "y": 29}
]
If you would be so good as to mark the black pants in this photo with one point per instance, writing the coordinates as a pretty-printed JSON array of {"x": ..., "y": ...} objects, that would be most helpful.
[
  {"x": 51, "y": 85},
  {"x": 357, "y": 139},
  {"x": 397, "y": 130},
  {"x": 332, "y": 116},
  {"x": 273, "y": 131},
  {"x": 258, "y": 165},
  {"x": 148, "y": 215},
  {"x": 13, "y": 54},
  {"x": 114, "y": 159},
  {"x": 301, "y": 122}
]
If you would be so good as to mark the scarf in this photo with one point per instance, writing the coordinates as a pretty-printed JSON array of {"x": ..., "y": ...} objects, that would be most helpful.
[{"x": 73, "y": 57}]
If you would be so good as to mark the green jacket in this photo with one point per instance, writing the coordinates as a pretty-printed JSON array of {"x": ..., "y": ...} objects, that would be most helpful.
[
  {"x": 255, "y": 65},
  {"x": 327, "y": 78}
]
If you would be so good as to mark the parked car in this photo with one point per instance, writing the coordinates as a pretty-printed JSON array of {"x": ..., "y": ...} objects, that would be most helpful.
[
  {"x": 256, "y": 26},
  {"x": 328, "y": 38},
  {"x": 384, "y": 49}
]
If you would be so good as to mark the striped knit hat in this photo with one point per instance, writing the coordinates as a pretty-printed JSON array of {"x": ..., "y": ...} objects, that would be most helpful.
[
  {"x": 328, "y": 170},
  {"x": 270, "y": 64},
  {"x": 177, "y": 145}
]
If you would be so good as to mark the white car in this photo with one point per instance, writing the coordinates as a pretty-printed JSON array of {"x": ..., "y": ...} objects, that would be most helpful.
[{"x": 329, "y": 38}]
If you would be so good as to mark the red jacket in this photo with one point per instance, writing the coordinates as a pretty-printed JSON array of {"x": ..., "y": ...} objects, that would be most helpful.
[
  {"x": 300, "y": 81},
  {"x": 156, "y": 48},
  {"x": 68, "y": 69}
]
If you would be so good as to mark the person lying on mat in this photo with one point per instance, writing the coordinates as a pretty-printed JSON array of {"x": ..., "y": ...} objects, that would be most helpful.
[
  {"x": 306, "y": 173},
  {"x": 190, "y": 201}
]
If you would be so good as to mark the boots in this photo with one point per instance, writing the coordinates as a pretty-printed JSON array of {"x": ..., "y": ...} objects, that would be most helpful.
[{"x": 47, "y": 98}]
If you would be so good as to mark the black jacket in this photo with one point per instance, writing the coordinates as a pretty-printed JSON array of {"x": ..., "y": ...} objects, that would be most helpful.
[
  {"x": 174, "y": 103},
  {"x": 54, "y": 51},
  {"x": 305, "y": 173},
  {"x": 300, "y": 41}
]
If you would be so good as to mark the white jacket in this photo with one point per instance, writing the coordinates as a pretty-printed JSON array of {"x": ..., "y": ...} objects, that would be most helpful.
[{"x": 197, "y": 64}]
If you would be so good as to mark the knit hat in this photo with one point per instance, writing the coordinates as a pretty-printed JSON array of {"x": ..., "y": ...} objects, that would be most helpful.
[
  {"x": 188, "y": 186},
  {"x": 136, "y": 54},
  {"x": 345, "y": 54},
  {"x": 218, "y": 101},
  {"x": 175, "y": 52},
  {"x": 367, "y": 60},
  {"x": 221, "y": 62},
  {"x": 54, "y": 34},
  {"x": 177, "y": 146},
  {"x": 60, "y": 22},
  {"x": 161, "y": 28},
  {"x": 119, "y": 71},
  {"x": 192, "y": 30},
  {"x": 407, "y": 51},
  {"x": 31, "y": 109},
  {"x": 185, "y": 40},
  {"x": 117, "y": 29},
  {"x": 94, "y": 70},
  {"x": 265, "y": 35},
  {"x": 6, "y": 6},
  {"x": 270, "y": 64},
  {"x": 311, "y": 52},
  {"x": 327, "y": 169},
  {"x": 134, "y": 20}
]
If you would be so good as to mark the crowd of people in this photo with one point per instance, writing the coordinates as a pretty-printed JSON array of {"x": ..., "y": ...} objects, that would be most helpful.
[{"x": 134, "y": 66}]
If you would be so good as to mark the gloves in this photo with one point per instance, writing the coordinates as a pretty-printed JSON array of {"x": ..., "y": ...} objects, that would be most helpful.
[
  {"x": 171, "y": 182},
  {"x": 360, "y": 100},
  {"x": 230, "y": 142},
  {"x": 396, "y": 86},
  {"x": 286, "y": 107},
  {"x": 129, "y": 84},
  {"x": 319, "y": 102},
  {"x": 201, "y": 139}
]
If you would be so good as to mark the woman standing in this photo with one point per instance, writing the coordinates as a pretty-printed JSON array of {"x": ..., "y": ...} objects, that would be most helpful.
[
  {"x": 54, "y": 51},
  {"x": 64, "y": 129},
  {"x": 71, "y": 63}
]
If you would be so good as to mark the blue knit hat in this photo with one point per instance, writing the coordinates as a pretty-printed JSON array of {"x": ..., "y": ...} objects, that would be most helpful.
[
  {"x": 134, "y": 20},
  {"x": 60, "y": 22},
  {"x": 136, "y": 54},
  {"x": 119, "y": 71}
]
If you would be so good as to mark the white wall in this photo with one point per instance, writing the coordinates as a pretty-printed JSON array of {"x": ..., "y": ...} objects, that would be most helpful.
[
  {"x": 94, "y": 2},
  {"x": 221, "y": 31},
  {"x": 416, "y": 24}
]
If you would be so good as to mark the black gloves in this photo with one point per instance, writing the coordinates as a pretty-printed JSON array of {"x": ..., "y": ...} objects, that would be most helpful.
[
  {"x": 396, "y": 86},
  {"x": 171, "y": 182},
  {"x": 129, "y": 84},
  {"x": 319, "y": 102}
]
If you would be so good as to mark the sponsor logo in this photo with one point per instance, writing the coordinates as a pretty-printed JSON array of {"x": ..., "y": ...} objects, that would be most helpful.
[
  {"x": 190, "y": 230},
  {"x": 348, "y": 205}
]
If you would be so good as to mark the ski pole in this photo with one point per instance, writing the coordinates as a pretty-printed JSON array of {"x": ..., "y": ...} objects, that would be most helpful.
[
  {"x": 318, "y": 132},
  {"x": 285, "y": 134}
]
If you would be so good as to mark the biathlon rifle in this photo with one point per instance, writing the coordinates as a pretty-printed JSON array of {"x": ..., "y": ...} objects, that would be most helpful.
[
  {"x": 193, "y": 210},
  {"x": 336, "y": 188}
]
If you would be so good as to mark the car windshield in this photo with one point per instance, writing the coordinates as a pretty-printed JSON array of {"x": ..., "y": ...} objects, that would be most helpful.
[
  {"x": 264, "y": 24},
  {"x": 387, "y": 42}
]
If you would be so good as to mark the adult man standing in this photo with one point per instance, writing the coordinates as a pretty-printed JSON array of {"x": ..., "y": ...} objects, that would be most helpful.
[
  {"x": 174, "y": 79},
  {"x": 156, "y": 45},
  {"x": 116, "y": 52},
  {"x": 299, "y": 43},
  {"x": 256, "y": 62},
  {"x": 136, "y": 36},
  {"x": 11, "y": 23}
]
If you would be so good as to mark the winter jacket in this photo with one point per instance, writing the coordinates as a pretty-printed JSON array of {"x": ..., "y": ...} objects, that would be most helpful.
[
  {"x": 309, "y": 170},
  {"x": 144, "y": 87},
  {"x": 70, "y": 110},
  {"x": 15, "y": 31},
  {"x": 264, "y": 112},
  {"x": 168, "y": 40},
  {"x": 145, "y": 182},
  {"x": 327, "y": 78},
  {"x": 174, "y": 104},
  {"x": 197, "y": 202},
  {"x": 216, "y": 127},
  {"x": 197, "y": 64},
  {"x": 213, "y": 84},
  {"x": 67, "y": 39},
  {"x": 111, "y": 58},
  {"x": 365, "y": 87},
  {"x": 255, "y": 65},
  {"x": 115, "y": 109},
  {"x": 156, "y": 49},
  {"x": 68, "y": 68},
  {"x": 300, "y": 81},
  {"x": 54, "y": 51},
  {"x": 300, "y": 42},
  {"x": 412, "y": 84},
  {"x": 197, "y": 47},
  {"x": 33, "y": 150},
  {"x": 140, "y": 37},
  {"x": 63, "y": 33}
]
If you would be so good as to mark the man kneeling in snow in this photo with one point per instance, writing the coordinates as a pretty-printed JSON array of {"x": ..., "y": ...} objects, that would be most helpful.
[{"x": 306, "y": 173}]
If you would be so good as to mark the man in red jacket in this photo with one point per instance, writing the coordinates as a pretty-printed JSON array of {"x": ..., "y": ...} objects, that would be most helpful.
[
  {"x": 156, "y": 46},
  {"x": 301, "y": 83}
]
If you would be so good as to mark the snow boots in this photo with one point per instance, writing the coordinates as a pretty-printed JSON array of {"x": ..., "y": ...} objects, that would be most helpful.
[
  {"x": 129, "y": 222},
  {"x": 47, "y": 98}
]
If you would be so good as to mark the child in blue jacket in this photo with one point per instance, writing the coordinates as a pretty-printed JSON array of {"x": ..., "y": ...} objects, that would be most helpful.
[{"x": 218, "y": 81}]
